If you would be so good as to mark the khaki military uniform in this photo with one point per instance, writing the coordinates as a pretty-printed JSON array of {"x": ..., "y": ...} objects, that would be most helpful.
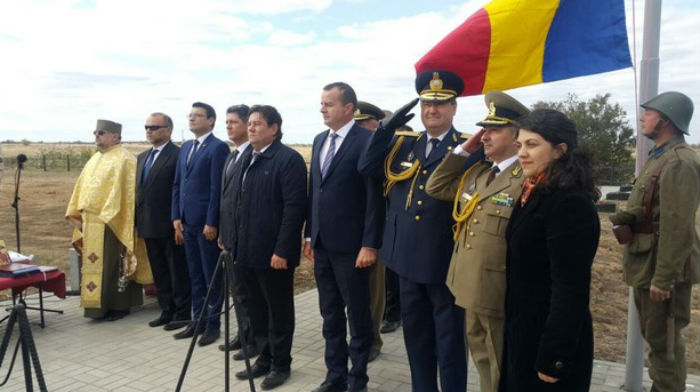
[
  {"x": 668, "y": 258},
  {"x": 476, "y": 276}
]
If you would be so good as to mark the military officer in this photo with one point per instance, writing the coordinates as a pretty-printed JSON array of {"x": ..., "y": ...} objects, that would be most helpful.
[
  {"x": 483, "y": 198},
  {"x": 662, "y": 255},
  {"x": 367, "y": 116},
  {"x": 417, "y": 242}
]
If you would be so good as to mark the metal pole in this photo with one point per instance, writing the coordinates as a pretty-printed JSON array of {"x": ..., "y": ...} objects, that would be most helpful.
[{"x": 649, "y": 87}]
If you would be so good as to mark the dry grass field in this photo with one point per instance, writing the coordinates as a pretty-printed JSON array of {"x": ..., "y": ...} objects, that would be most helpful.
[{"x": 44, "y": 196}]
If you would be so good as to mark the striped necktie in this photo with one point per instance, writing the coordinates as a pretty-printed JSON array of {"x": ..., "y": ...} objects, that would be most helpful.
[{"x": 329, "y": 155}]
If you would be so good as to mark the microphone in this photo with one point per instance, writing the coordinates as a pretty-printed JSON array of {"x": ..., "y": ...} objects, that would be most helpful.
[{"x": 21, "y": 158}]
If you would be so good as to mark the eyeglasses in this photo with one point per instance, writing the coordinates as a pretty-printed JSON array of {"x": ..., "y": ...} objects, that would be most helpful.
[
  {"x": 151, "y": 128},
  {"x": 195, "y": 115},
  {"x": 99, "y": 133}
]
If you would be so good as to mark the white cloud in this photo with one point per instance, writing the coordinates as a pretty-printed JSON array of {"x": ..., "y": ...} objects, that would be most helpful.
[{"x": 124, "y": 59}]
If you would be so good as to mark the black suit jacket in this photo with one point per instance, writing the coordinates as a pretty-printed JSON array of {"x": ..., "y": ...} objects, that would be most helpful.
[
  {"x": 154, "y": 194},
  {"x": 229, "y": 190},
  {"x": 346, "y": 209},
  {"x": 270, "y": 205}
]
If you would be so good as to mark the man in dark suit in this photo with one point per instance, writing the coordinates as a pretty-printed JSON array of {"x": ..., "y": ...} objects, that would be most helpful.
[
  {"x": 237, "y": 129},
  {"x": 269, "y": 210},
  {"x": 155, "y": 172},
  {"x": 195, "y": 212},
  {"x": 418, "y": 235},
  {"x": 343, "y": 233}
]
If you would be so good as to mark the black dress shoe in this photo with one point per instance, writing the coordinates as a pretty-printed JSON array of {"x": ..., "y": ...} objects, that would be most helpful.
[
  {"x": 187, "y": 333},
  {"x": 390, "y": 326},
  {"x": 233, "y": 345},
  {"x": 114, "y": 315},
  {"x": 373, "y": 354},
  {"x": 252, "y": 353},
  {"x": 159, "y": 321},
  {"x": 176, "y": 324},
  {"x": 209, "y": 336},
  {"x": 274, "y": 379},
  {"x": 257, "y": 370},
  {"x": 331, "y": 387}
]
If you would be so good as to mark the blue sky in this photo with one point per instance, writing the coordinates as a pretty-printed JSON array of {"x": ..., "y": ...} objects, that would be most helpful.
[{"x": 68, "y": 62}]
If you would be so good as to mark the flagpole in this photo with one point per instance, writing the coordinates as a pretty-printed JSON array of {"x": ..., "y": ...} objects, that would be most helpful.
[{"x": 649, "y": 82}]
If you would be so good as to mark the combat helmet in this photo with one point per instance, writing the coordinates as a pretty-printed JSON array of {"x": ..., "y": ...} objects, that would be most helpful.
[{"x": 674, "y": 105}]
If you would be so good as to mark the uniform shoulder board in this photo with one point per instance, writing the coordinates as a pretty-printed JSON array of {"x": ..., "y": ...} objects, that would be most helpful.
[
  {"x": 408, "y": 133},
  {"x": 465, "y": 136}
]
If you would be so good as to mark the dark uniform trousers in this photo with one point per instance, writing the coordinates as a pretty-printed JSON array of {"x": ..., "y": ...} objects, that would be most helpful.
[
  {"x": 340, "y": 284},
  {"x": 169, "y": 269},
  {"x": 668, "y": 375},
  {"x": 270, "y": 296},
  {"x": 392, "y": 310},
  {"x": 433, "y": 341}
]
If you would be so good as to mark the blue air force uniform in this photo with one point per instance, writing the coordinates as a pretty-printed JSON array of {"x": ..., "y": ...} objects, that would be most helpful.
[{"x": 418, "y": 242}]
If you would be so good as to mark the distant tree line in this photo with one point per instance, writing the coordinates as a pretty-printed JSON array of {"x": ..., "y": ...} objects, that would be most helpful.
[{"x": 602, "y": 127}]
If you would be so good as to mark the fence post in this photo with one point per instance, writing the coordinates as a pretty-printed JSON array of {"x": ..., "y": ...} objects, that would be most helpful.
[
  {"x": 43, "y": 161},
  {"x": 68, "y": 161}
]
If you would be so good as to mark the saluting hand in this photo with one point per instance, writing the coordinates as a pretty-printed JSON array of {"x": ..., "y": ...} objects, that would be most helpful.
[
  {"x": 278, "y": 263},
  {"x": 210, "y": 232},
  {"x": 308, "y": 251},
  {"x": 473, "y": 144},
  {"x": 366, "y": 257},
  {"x": 400, "y": 117}
]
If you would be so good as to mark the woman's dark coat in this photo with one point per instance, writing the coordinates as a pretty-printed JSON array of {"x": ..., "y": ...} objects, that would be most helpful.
[{"x": 552, "y": 241}]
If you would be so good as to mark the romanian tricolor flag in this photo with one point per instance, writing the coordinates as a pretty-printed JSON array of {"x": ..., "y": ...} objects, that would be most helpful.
[{"x": 514, "y": 43}]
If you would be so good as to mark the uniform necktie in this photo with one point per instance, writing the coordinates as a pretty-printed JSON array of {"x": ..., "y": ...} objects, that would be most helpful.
[
  {"x": 433, "y": 146},
  {"x": 492, "y": 174},
  {"x": 329, "y": 155},
  {"x": 192, "y": 152},
  {"x": 229, "y": 168},
  {"x": 149, "y": 163}
]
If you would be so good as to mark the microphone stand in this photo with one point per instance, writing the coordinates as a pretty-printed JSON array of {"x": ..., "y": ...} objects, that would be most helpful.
[{"x": 15, "y": 202}]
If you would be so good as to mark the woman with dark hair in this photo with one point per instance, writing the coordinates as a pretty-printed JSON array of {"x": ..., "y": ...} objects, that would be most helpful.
[{"x": 552, "y": 239}]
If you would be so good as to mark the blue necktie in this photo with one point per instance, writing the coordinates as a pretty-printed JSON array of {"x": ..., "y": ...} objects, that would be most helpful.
[
  {"x": 434, "y": 143},
  {"x": 329, "y": 156},
  {"x": 192, "y": 152},
  {"x": 149, "y": 164}
]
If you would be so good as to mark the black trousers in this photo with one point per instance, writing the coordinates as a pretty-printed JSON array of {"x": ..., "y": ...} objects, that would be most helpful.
[
  {"x": 392, "y": 312},
  {"x": 240, "y": 295},
  {"x": 340, "y": 286},
  {"x": 271, "y": 299},
  {"x": 169, "y": 269}
]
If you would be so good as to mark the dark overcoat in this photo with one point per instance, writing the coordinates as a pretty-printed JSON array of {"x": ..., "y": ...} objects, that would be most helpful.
[
  {"x": 270, "y": 206},
  {"x": 552, "y": 241}
]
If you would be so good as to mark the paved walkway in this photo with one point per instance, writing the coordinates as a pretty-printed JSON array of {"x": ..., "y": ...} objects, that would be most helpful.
[{"x": 78, "y": 354}]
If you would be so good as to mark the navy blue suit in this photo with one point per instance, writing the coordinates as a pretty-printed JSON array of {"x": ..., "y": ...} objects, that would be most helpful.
[
  {"x": 196, "y": 193},
  {"x": 418, "y": 246},
  {"x": 346, "y": 211}
]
